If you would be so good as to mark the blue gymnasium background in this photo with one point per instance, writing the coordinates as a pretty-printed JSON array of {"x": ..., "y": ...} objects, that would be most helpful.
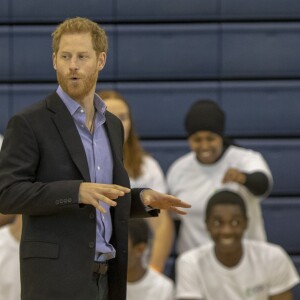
[{"x": 164, "y": 55}]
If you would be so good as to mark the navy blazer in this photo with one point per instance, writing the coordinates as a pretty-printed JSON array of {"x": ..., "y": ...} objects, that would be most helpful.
[{"x": 42, "y": 163}]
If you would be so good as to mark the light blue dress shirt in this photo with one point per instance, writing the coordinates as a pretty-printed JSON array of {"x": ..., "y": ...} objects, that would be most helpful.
[{"x": 100, "y": 162}]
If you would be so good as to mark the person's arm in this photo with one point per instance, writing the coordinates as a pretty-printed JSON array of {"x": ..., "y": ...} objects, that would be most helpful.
[
  {"x": 257, "y": 182},
  {"x": 282, "y": 296},
  {"x": 163, "y": 229},
  {"x": 6, "y": 219}
]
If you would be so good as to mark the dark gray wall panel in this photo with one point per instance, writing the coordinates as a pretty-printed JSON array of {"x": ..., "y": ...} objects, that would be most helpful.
[
  {"x": 281, "y": 216},
  {"x": 159, "y": 108},
  {"x": 260, "y": 9},
  {"x": 261, "y": 50},
  {"x": 4, "y": 106},
  {"x": 57, "y": 10},
  {"x": 4, "y": 11},
  {"x": 167, "y": 10},
  {"x": 168, "y": 51},
  {"x": 5, "y": 53},
  {"x": 269, "y": 108},
  {"x": 32, "y": 53}
]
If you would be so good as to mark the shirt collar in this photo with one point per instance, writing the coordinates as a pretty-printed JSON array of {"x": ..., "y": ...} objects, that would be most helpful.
[{"x": 73, "y": 105}]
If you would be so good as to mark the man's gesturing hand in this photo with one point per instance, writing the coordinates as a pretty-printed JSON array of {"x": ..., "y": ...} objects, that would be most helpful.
[
  {"x": 163, "y": 201},
  {"x": 93, "y": 193}
]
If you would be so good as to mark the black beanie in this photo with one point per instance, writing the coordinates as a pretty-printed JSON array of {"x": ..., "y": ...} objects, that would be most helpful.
[{"x": 205, "y": 115}]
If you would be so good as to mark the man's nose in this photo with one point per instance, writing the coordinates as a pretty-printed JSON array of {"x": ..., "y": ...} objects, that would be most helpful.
[{"x": 74, "y": 64}]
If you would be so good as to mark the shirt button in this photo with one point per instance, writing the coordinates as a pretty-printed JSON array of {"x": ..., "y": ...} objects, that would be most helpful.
[
  {"x": 91, "y": 244},
  {"x": 98, "y": 168},
  {"x": 82, "y": 111}
]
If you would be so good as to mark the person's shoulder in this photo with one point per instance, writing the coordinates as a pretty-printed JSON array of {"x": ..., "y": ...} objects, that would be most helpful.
[
  {"x": 161, "y": 277},
  {"x": 197, "y": 253},
  {"x": 182, "y": 162},
  {"x": 265, "y": 249},
  {"x": 237, "y": 151},
  {"x": 150, "y": 161}
]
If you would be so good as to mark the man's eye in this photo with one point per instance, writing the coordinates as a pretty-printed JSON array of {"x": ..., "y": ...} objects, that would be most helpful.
[
  {"x": 235, "y": 223},
  {"x": 216, "y": 223}
]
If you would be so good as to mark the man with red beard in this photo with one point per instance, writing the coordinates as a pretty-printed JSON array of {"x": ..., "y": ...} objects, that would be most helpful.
[
  {"x": 232, "y": 267},
  {"x": 61, "y": 167}
]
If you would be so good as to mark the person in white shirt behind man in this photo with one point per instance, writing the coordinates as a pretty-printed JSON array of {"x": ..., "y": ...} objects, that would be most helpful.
[
  {"x": 231, "y": 267},
  {"x": 144, "y": 282},
  {"x": 10, "y": 235}
]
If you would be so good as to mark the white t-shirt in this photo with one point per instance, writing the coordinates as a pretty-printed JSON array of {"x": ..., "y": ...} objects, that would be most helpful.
[
  {"x": 194, "y": 182},
  {"x": 265, "y": 270},
  {"x": 153, "y": 286},
  {"x": 10, "y": 287},
  {"x": 152, "y": 176}
]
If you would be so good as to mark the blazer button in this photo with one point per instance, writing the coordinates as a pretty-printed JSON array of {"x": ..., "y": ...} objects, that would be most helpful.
[
  {"x": 56, "y": 202},
  {"x": 91, "y": 244},
  {"x": 92, "y": 215}
]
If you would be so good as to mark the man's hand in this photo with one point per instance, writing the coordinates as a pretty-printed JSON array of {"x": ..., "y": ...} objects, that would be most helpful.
[
  {"x": 163, "y": 201},
  {"x": 93, "y": 193},
  {"x": 234, "y": 175}
]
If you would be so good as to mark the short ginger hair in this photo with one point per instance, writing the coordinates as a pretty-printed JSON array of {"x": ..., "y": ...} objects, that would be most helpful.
[{"x": 81, "y": 25}]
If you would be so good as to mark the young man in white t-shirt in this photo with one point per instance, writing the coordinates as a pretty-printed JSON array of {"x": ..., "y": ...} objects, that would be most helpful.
[
  {"x": 144, "y": 282},
  {"x": 230, "y": 267}
]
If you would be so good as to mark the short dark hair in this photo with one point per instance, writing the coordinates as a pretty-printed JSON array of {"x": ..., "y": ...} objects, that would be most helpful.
[
  {"x": 139, "y": 231},
  {"x": 225, "y": 197}
]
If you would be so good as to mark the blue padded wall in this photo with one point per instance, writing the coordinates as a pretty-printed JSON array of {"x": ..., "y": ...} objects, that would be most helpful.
[
  {"x": 148, "y": 10},
  {"x": 252, "y": 107},
  {"x": 56, "y": 10},
  {"x": 260, "y": 9},
  {"x": 5, "y": 39},
  {"x": 296, "y": 289},
  {"x": 281, "y": 216},
  {"x": 5, "y": 109},
  {"x": 167, "y": 10},
  {"x": 170, "y": 100},
  {"x": 260, "y": 50},
  {"x": 32, "y": 54},
  {"x": 267, "y": 108},
  {"x": 283, "y": 158},
  {"x": 167, "y": 52},
  {"x": 4, "y": 11}
]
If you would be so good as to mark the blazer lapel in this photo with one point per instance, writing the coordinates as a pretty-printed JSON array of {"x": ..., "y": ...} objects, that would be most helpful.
[{"x": 67, "y": 129}]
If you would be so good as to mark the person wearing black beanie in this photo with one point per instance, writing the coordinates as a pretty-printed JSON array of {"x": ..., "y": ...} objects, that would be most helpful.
[
  {"x": 212, "y": 164},
  {"x": 205, "y": 115}
]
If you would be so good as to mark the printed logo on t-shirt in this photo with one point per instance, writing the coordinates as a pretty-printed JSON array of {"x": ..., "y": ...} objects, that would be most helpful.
[{"x": 251, "y": 291}]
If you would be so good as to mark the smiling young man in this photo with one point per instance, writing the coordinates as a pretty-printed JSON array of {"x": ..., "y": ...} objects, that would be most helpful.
[
  {"x": 61, "y": 167},
  {"x": 230, "y": 267}
]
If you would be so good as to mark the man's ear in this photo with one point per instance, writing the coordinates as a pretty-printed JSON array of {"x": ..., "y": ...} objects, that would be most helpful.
[
  {"x": 54, "y": 60},
  {"x": 101, "y": 61}
]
